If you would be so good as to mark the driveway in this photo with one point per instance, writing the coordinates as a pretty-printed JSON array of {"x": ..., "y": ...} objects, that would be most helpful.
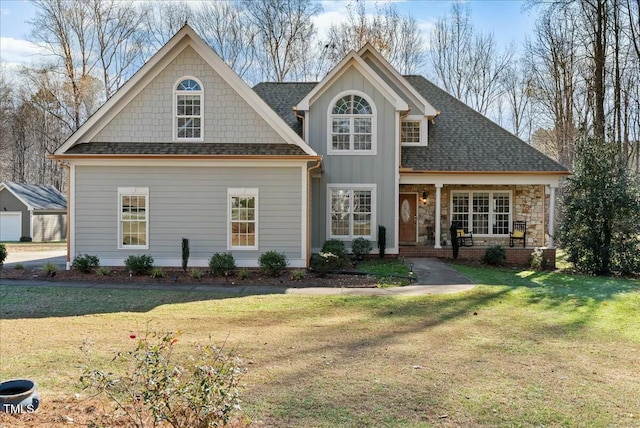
[{"x": 35, "y": 258}]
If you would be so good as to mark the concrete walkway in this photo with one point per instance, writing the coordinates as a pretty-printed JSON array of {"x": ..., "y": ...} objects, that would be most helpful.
[{"x": 434, "y": 277}]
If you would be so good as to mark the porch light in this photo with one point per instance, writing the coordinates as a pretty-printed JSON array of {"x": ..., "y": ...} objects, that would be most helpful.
[{"x": 424, "y": 197}]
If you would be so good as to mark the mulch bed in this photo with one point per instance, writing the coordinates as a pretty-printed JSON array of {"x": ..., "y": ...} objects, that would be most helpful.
[{"x": 178, "y": 277}]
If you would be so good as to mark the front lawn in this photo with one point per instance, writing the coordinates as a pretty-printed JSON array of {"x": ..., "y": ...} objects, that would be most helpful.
[{"x": 522, "y": 349}]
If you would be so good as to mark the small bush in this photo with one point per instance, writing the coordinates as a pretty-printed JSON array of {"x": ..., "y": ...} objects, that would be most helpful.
[
  {"x": 3, "y": 254},
  {"x": 272, "y": 263},
  {"x": 361, "y": 247},
  {"x": 298, "y": 275},
  {"x": 19, "y": 266},
  {"x": 25, "y": 239},
  {"x": 243, "y": 274},
  {"x": 157, "y": 273},
  {"x": 49, "y": 269},
  {"x": 154, "y": 384},
  {"x": 538, "y": 261},
  {"x": 139, "y": 264},
  {"x": 382, "y": 240},
  {"x": 103, "y": 271},
  {"x": 325, "y": 263},
  {"x": 337, "y": 248},
  {"x": 185, "y": 254},
  {"x": 85, "y": 263},
  {"x": 494, "y": 256},
  {"x": 222, "y": 264},
  {"x": 195, "y": 274}
]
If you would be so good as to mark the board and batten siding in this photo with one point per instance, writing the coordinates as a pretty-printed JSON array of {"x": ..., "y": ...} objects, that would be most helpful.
[
  {"x": 148, "y": 118},
  {"x": 379, "y": 169},
  {"x": 188, "y": 202},
  {"x": 49, "y": 226}
]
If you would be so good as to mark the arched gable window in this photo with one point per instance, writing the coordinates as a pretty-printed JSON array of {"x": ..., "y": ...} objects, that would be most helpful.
[
  {"x": 188, "y": 109},
  {"x": 352, "y": 124}
]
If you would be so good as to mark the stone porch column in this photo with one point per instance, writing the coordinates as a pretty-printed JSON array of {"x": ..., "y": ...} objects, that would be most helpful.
[
  {"x": 552, "y": 210},
  {"x": 438, "y": 209}
]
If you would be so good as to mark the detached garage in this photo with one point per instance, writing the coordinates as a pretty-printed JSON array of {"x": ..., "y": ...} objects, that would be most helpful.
[{"x": 32, "y": 210}]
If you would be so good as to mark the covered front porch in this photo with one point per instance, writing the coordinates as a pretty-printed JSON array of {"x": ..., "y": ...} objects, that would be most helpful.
[{"x": 485, "y": 205}]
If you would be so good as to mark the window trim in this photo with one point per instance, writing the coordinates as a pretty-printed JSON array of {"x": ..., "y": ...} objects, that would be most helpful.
[
  {"x": 423, "y": 130},
  {"x": 374, "y": 120},
  {"x": 235, "y": 192},
  {"x": 177, "y": 92},
  {"x": 350, "y": 186},
  {"x": 132, "y": 191},
  {"x": 491, "y": 213}
]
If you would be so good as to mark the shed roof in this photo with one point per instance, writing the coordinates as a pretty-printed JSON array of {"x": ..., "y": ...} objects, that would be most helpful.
[{"x": 37, "y": 196}]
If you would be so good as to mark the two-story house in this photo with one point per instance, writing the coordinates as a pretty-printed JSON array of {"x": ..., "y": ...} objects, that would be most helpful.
[{"x": 186, "y": 149}]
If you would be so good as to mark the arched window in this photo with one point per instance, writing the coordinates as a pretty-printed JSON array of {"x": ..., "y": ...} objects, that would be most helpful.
[
  {"x": 352, "y": 124},
  {"x": 188, "y": 109}
]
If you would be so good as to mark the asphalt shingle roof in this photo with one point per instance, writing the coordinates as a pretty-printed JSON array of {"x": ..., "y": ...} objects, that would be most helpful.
[
  {"x": 38, "y": 196},
  {"x": 222, "y": 149},
  {"x": 460, "y": 139},
  {"x": 282, "y": 96}
]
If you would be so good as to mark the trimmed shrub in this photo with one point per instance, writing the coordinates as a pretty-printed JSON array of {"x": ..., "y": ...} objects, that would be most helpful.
[
  {"x": 139, "y": 264},
  {"x": 3, "y": 254},
  {"x": 222, "y": 264},
  {"x": 494, "y": 256},
  {"x": 382, "y": 240},
  {"x": 185, "y": 253},
  {"x": 25, "y": 239},
  {"x": 325, "y": 263},
  {"x": 361, "y": 247},
  {"x": 272, "y": 263},
  {"x": 85, "y": 263},
  {"x": 337, "y": 248},
  {"x": 19, "y": 266}
]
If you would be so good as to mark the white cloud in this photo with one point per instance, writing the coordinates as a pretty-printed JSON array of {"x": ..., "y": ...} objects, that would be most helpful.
[{"x": 19, "y": 51}]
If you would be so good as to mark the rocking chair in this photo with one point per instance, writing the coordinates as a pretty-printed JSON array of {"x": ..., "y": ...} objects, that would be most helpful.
[{"x": 518, "y": 233}]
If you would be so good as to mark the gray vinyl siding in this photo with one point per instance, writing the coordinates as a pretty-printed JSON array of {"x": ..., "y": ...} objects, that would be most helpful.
[
  {"x": 188, "y": 202},
  {"x": 8, "y": 202},
  {"x": 414, "y": 108},
  {"x": 49, "y": 226},
  {"x": 354, "y": 169},
  {"x": 148, "y": 118}
]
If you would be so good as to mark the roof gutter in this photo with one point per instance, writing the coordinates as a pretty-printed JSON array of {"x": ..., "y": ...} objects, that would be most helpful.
[{"x": 301, "y": 117}]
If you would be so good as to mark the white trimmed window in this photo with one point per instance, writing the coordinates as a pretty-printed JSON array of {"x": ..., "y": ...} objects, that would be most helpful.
[
  {"x": 243, "y": 219},
  {"x": 352, "y": 125},
  {"x": 413, "y": 131},
  {"x": 133, "y": 218},
  {"x": 351, "y": 211},
  {"x": 483, "y": 212},
  {"x": 188, "y": 110}
]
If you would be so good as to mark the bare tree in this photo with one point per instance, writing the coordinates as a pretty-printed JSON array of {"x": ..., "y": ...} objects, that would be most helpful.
[
  {"x": 229, "y": 32},
  {"x": 284, "y": 30},
  {"x": 467, "y": 64},
  {"x": 517, "y": 88},
  {"x": 396, "y": 37},
  {"x": 162, "y": 20}
]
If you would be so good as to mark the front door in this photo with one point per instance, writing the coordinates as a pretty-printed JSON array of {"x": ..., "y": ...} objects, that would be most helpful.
[{"x": 408, "y": 218}]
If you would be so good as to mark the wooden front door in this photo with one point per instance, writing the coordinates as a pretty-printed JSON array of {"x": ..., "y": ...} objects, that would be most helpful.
[{"x": 408, "y": 217}]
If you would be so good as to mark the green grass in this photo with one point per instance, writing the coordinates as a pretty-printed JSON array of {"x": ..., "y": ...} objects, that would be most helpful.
[
  {"x": 390, "y": 273},
  {"x": 522, "y": 349}
]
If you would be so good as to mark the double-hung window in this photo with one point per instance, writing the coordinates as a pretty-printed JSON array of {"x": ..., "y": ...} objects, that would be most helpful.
[
  {"x": 352, "y": 125},
  {"x": 133, "y": 218},
  {"x": 188, "y": 110},
  {"x": 243, "y": 219},
  {"x": 482, "y": 212},
  {"x": 351, "y": 211}
]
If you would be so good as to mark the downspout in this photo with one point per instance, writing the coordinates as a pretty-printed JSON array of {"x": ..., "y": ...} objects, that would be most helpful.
[
  {"x": 316, "y": 166},
  {"x": 66, "y": 166}
]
